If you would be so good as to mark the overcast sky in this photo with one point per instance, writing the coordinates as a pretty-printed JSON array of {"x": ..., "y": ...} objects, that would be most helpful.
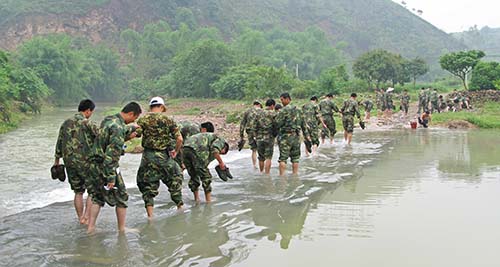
[{"x": 458, "y": 15}]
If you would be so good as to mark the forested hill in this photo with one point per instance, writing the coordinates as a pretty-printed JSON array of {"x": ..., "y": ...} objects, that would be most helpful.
[
  {"x": 485, "y": 39},
  {"x": 362, "y": 24}
]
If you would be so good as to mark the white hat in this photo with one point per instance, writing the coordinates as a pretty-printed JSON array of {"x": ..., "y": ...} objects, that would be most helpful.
[
  {"x": 156, "y": 101},
  {"x": 390, "y": 89}
]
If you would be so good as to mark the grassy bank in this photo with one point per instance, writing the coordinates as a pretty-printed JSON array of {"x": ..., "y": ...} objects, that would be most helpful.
[
  {"x": 15, "y": 119},
  {"x": 486, "y": 117}
]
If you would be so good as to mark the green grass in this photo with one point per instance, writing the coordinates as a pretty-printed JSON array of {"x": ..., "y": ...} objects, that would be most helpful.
[
  {"x": 15, "y": 119},
  {"x": 485, "y": 117}
]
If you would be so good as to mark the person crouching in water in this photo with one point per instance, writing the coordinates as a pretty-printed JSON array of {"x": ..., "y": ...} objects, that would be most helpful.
[
  {"x": 425, "y": 119},
  {"x": 157, "y": 161},
  {"x": 199, "y": 150}
]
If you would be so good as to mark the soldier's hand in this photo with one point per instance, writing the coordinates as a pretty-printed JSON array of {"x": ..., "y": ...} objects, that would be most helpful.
[
  {"x": 56, "y": 162},
  {"x": 133, "y": 135},
  {"x": 173, "y": 154},
  {"x": 324, "y": 125},
  {"x": 109, "y": 186},
  {"x": 222, "y": 166}
]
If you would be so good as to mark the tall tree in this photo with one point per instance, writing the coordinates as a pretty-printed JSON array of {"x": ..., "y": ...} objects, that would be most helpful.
[
  {"x": 461, "y": 63},
  {"x": 377, "y": 66},
  {"x": 416, "y": 68},
  {"x": 486, "y": 75}
]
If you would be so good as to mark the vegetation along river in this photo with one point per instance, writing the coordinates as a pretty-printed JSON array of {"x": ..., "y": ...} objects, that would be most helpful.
[{"x": 395, "y": 198}]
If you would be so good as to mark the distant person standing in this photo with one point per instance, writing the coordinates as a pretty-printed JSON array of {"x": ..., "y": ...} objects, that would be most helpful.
[
  {"x": 421, "y": 101},
  {"x": 327, "y": 108},
  {"x": 290, "y": 124},
  {"x": 368, "y": 104},
  {"x": 157, "y": 163},
  {"x": 434, "y": 101},
  {"x": 313, "y": 120},
  {"x": 266, "y": 133},
  {"x": 349, "y": 110},
  {"x": 107, "y": 181},
  {"x": 75, "y": 140},
  {"x": 248, "y": 125},
  {"x": 405, "y": 102}
]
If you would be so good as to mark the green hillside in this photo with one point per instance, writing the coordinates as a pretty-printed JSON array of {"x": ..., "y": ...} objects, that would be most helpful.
[
  {"x": 486, "y": 39},
  {"x": 361, "y": 24}
]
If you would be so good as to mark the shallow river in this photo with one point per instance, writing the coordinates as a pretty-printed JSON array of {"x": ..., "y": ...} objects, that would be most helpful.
[{"x": 398, "y": 198}]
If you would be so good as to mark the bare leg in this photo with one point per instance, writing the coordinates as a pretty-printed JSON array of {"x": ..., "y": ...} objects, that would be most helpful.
[
  {"x": 149, "y": 211},
  {"x": 261, "y": 166},
  {"x": 78, "y": 202},
  {"x": 121, "y": 214},
  {"x": 208, "y": 197},
  {"x": 349, "y": 138},
  {"x": 282, "y": 168},
  {"x": 295, "y": 168},
  {"x": 86, "y": 212},
  {"x": 254, "y": 158},
  {"x": 94, "y": 212},
  {"x": 196, "y": 196},
  {"x": 345, "y": 136},
  {"x": 267, "y": 166},
  {"x": 314, "y": 148}
]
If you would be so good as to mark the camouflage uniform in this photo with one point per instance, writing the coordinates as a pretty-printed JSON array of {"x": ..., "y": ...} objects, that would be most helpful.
[
  {"x": 327, "y": 107},
  {"x": 248, "y": 124},
  {"x": 104, "y": 162},
  {"x": 421, "y": 102},
  {"x": 368, "y": 104},
  {"x": 389, "y": 104},
  {"x": 158, "y": 132},
  {"x": 312, "y": 118},
  {"x": 187, "y": 129},
  {"x": 75, "y": 140},
  {"x": 290, "y": 122},
  {"x": 198, "y": 153},
  {"x": 427, "y": 99},
  {"x": 434, "y": 101},
  {"x": 349, "y": 109},
  {"x": 265, "y": 133},
  {"x": 405, "y": 102}
]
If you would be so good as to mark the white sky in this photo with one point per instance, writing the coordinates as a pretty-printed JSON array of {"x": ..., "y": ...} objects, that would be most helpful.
[{"x": 458, "y": 15}]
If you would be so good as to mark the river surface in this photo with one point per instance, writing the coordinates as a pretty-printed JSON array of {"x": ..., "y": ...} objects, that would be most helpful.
[{"x": 395, "y": 198}]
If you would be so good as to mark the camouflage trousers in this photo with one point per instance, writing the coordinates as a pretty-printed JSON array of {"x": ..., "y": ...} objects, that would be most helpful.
[
  {"x": 404, "y": 108},
  {"x": 331, "y": 130},
  {"x": 265, "y": 147},
  {"x": 348, "y": 123},
  {"x": 78, "y": 177},
  {"x": 117, "y": 196},
  {"x": 289, "y": 145},
  {"x": 155, "y": 166},
  {"x": 314, "y": 132},
  {"x": 198, "y": 171},
  {"x": 252, "y": 140},
  {"x": 435, "y": 106}
]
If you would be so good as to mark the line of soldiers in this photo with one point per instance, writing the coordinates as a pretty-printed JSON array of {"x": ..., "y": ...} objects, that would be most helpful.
[
  {"x": 264, "y": 126},
  {"x": 91, "y": 156}
]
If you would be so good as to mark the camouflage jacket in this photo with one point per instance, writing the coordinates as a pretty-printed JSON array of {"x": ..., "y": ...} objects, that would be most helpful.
[
  {"x": 350, "y": 108},
  {"x": 290, "y": 120},
  {"x": 159, "y": 132},
  {"x": 109, "y": 145},
  {"x": 75, "y": 140},
  {"x": 205, "y": 145},
  {"x": 265, "y": 127},
  {"x": 421, "y": 96},
  {"x": 312, "y": 114},
  {"x": 405, "y": 99},
  {"x": 327, "y": 107},
  {"x": 188, "y": 128},
  {"x": 434, "y": 96},
  {"x": 368, "y": 104},
  {"x": 248, "y": 121}
]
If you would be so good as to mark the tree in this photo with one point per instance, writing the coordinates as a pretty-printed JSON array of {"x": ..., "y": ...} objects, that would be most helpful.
[
  {"x": 485, "y": 75},
  {"x": 196, "y": 69},
  {"x": 416, "y": 68},
  {"x": 461, "y": 63},
  {"x": 377, "y": 66},
  {"x": 333, "y": 80}
]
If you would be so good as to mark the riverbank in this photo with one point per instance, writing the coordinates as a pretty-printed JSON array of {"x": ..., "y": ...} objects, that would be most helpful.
[{"x": 13, "y": 121}]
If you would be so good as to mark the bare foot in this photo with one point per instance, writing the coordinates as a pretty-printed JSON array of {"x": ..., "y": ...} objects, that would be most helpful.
[{"x": 84, "y": 221}]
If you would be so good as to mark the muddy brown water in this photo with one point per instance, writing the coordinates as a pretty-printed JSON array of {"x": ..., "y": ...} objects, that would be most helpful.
[{"x": 393, "y": 198}]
